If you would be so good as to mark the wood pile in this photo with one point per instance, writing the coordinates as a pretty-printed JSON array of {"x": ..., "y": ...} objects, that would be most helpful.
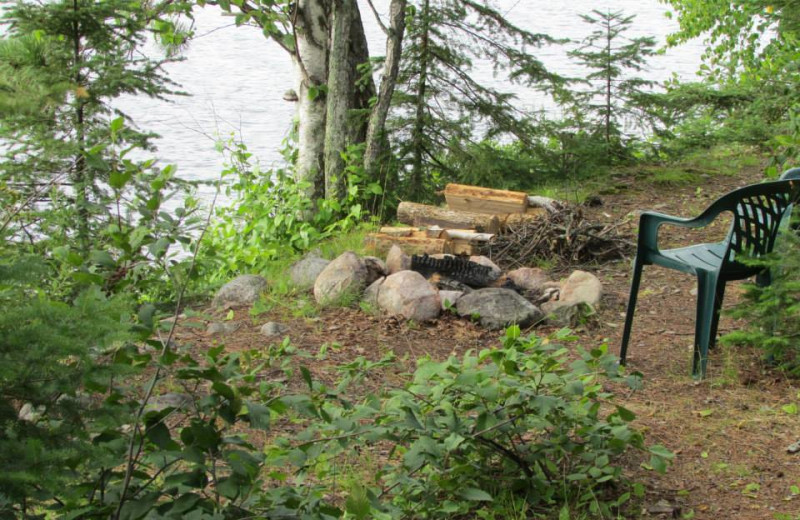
[
  {"x": 473, "y": 217},
  {"x": 565, "y": 236}
]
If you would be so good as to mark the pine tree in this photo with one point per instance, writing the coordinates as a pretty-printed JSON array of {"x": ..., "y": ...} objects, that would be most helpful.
[
  {"x": 440, "y": 109},
  {"x": 62, "y": 63},
  {"x": 611, "y": 57}
]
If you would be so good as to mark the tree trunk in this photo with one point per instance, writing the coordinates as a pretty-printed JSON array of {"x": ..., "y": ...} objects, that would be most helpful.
[
  {"x": 311, "y": 64},
  {"x": 391, "y": 66},
  {"x": 341, "y": 98},
  {"x": 80, "y": 174},
  {"x": 608, "y": 90},
  {"x": 419, "y": 117}
]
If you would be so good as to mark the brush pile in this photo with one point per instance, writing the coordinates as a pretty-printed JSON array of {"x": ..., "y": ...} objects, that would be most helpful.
[{"x": 563, "y": 236}]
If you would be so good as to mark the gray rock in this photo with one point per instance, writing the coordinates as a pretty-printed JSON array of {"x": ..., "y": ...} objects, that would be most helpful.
[
  {"x": 371, "y": 294},
  {"x": 496, "y": 308},
  {"x": 793, "y": 448},
  {"x": 347, "y": 273},
  {"x": 271, "y": 329},
  {"x": 31, "y": 413},
  {"x": 375, "y": 268},
  {"x": 566, "y": 314},
  {"x": 305, "y": 271},
  {"x": 217, "y": 328},
  {"x": 483, "y": 260},
  {"x": 409, "y": 294},
  {"x": 582, "y": 287},
  {"x": 397, "y": 260},
  {"x": 290, "y": 95},
  {"x": 663, "y": 507},
  {"x": 450, "y": 298},
  {"x": 241, "y": 291},
  {"x": 169, "y": 400},
  {"x": 528, "y": 278}
]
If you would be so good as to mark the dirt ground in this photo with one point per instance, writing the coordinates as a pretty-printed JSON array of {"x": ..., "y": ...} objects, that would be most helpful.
[{"x": 730, "y": 432}]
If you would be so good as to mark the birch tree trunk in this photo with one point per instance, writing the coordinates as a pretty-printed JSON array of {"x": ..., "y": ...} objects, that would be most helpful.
[
  {"x": 331, "y": 45},
  {"x": 311, "y": 26}
]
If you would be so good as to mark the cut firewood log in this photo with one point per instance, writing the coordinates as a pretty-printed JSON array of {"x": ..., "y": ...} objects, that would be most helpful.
[
  {"x": 436, "y": 232},
  {"x": 409, "y": 244},
  {"x": 469, "y": 235},
  {"x": 398, "y": 231},
  {"x": 477, "y": 199},
  {"x": 414, "y": 214},
  {"x": 461, "y": 247},
  {"x": 551, "y": 205},
  {"x": 465, "y": 241}
]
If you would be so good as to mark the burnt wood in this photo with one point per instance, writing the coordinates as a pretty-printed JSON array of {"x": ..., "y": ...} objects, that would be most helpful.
[{"x": 454, "y": 267}]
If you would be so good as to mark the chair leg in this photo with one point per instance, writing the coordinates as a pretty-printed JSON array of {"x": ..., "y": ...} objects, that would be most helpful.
[
  {"x": 626, "y": 333},
  {"x": 706, "y": 293},
  {"x": 718, "y": 297}
]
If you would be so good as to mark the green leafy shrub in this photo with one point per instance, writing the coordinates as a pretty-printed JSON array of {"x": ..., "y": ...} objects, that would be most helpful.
[
  {"x": 466, "y": 431},
  {"x": 271, "y": 215},
  {"x": 773, "y": 312}
]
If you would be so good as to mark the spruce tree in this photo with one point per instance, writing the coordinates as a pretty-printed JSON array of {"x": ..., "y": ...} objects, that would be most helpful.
[
  {"x": 62, "y": 64},
  {"x": 611, "y": 58},
  {"x": 440, "y": 109}
]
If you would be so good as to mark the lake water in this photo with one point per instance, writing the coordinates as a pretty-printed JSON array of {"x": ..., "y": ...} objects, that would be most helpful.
[{"x": 236, "y": 78}]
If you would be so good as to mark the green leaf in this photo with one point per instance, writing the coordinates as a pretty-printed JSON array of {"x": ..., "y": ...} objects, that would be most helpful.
[
  {"x": 258, "y": 415},
  {"x": 659, "y": 464},
  {"x": 118, "y": 180},
  {"x": 661, "y": 451},
  {"x": 160, "y": 435},
  {"x": 102, "y": 258},
  {"x": 475, "y": 494},
  {"x": 224, "y": 390},
  {"x": 307, "y": 377},
  {"x": 625, "y": 414}
]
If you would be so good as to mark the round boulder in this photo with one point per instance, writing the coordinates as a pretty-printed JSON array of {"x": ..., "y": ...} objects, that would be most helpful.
[
  {"x": 371, "y": 294},
  {"x": 450, "y": 298},
  {"x": 409, "y": 294},
  {"x": 347, "y": 273},
  {"x": 375, "y": 268},
  {"x": 528, "y": 278},
  {"x": 582, "y": 287},
  {"x": 495, "y": 272},
  {"x": 496, "y": 308},
  {"x": 241, "y": 291},
  {"x": 271, "y": 329},
  {"x": 304, "y": 272}
]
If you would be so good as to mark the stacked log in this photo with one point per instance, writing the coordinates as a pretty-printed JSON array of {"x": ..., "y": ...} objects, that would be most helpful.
[
  {"x": 419, "y": 215},
  {"x": 473, "y": 216}
]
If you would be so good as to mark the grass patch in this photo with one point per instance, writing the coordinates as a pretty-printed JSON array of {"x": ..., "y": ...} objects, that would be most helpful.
[{"x": 672, "y": 176}]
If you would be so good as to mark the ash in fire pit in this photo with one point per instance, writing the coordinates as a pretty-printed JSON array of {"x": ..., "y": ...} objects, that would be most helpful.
[{"x": 458, "y": 268}]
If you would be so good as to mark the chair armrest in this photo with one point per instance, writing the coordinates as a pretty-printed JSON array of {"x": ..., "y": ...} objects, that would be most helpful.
[{"x": 650, "y": 221}]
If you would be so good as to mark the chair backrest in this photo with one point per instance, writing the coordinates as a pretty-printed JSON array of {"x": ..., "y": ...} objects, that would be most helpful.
[
  {"x": 758, "y": 211},
  {"x": 793, "y": 173}
]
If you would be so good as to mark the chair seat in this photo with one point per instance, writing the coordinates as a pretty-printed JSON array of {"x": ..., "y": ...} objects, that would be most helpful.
[{"x": 703, "y": 257}]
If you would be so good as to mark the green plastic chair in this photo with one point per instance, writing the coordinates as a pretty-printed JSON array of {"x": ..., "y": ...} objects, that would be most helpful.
[{"x": 758, "y": 211}]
